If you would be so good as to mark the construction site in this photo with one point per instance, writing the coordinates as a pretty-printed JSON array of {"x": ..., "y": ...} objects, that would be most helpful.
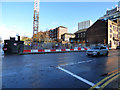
[{"x": 86, "y": 59}]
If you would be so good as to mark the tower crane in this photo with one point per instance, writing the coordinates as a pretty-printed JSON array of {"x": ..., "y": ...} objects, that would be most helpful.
[{"x": 36, "y": 20}]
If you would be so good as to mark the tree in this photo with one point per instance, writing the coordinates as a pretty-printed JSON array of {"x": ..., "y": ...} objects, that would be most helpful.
[{"x": 27, "y": 40}]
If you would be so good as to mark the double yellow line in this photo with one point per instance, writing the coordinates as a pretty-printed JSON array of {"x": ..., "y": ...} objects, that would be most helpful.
[{"x": 107, "y": 82}]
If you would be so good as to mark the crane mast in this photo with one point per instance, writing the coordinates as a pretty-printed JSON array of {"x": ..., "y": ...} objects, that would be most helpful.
[{"x": 36, "y": 20}]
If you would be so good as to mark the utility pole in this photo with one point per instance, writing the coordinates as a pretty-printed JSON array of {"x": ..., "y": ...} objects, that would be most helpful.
[{"x": 36, "y": 20}]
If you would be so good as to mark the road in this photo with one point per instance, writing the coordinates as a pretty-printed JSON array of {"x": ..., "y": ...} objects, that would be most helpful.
[{"x": 60, "y": 70}]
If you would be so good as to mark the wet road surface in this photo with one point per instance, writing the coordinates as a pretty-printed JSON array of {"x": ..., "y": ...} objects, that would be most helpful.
[{"x": 58, "y": 70}]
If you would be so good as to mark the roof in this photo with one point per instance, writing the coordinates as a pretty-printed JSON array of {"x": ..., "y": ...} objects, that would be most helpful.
[
  {"x": 83, "y": 30},
  {"x": 62, "y": 26},
  {"x": 68, "y": 34}
]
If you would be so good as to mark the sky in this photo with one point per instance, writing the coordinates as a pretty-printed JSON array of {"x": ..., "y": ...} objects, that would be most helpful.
[{"x": 17, "y": 17}]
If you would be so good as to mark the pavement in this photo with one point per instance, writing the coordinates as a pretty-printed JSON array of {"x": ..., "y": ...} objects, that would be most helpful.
[{"x": 61, "y": 70}]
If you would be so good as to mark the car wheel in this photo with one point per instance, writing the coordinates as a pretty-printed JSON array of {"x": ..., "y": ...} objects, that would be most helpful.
[
  {"x": 98, "y": 54},
  {"x": 106, "y": 54}
]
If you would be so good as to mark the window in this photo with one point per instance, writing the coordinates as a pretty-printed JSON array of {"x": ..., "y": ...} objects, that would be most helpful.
[
  {"x": 110, "y": 35},
  {"x": 114, "y": 28},
  {"x": 84, "y": 35},
  {"x": 110, "y": 30},
  {"x": 81, "y": 34},
  {"x": 110, "y": 25},
  {"x": 117, "y": 29},
  {"x": 119, "y": 33},
  {"x": 114, "y": 42},
  {"x": 78, "y": 36}
]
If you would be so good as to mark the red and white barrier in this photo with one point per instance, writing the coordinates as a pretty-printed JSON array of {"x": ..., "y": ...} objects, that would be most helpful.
[{"x": 53, "y": 50}]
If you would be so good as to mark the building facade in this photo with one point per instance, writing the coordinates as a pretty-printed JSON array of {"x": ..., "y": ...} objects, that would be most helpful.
[
  {"x": 113, "y": 34},
  {"x": 103, "y": 32},
  {"x": 43, "y": 36},
  {"x": 84, "y": 24},
  {"x": 114, "y": 15},
  {"x": 80, "y": 36},
  {"x": 55, "y": 34},
  {"x": 67, "y": 36}
]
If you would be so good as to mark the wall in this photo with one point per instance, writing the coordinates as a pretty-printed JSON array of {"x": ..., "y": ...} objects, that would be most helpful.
[
  {"x": 97, "y": 33},
  {"x": 67, "y": 37},
  {"x": 61, "y": 31},
  {"x": 112, "y": 32}
]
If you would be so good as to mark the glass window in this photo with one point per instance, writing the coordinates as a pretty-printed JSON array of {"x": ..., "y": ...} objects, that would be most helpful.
[
  {"x": 110, "y": 30},
  {"x": 110, "y": 35},
  {"x": 110, "y": 25}
]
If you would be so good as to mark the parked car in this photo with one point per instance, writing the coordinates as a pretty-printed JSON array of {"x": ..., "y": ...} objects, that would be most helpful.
[
  {"x": 97, "y": 51},
  {"x": 118, "y": 47}
]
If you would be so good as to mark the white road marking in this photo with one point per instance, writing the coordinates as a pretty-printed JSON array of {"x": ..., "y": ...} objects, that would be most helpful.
[
  {"x": 78, "y": 77},
  {"x": 76, "y": 63}
]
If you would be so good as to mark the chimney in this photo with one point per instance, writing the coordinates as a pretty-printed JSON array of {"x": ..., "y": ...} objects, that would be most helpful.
[{"x": 18, "y": 38}]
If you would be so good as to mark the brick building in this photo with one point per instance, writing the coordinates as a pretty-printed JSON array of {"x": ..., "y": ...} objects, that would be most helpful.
[
  {"x": 80, "y": 36},
  {"x": 103, "y": 32},
  {"x": 43, "y": 36},
  {"x": 55, "y": 34}
]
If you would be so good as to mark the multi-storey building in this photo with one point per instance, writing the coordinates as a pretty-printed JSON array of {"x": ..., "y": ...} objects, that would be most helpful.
[
  {"x": 84, "y": 24},
  {"x": 114, "y": 15},
  {"x": 80, "y": 36},
  {"x": 55, "y": 34},
  {"x": 119, "y": 33},
  {"x": 103, "y": 32}
]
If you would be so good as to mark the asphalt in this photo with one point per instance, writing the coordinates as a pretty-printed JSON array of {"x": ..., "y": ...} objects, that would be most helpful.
[{"x": 43, "y": 70}]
